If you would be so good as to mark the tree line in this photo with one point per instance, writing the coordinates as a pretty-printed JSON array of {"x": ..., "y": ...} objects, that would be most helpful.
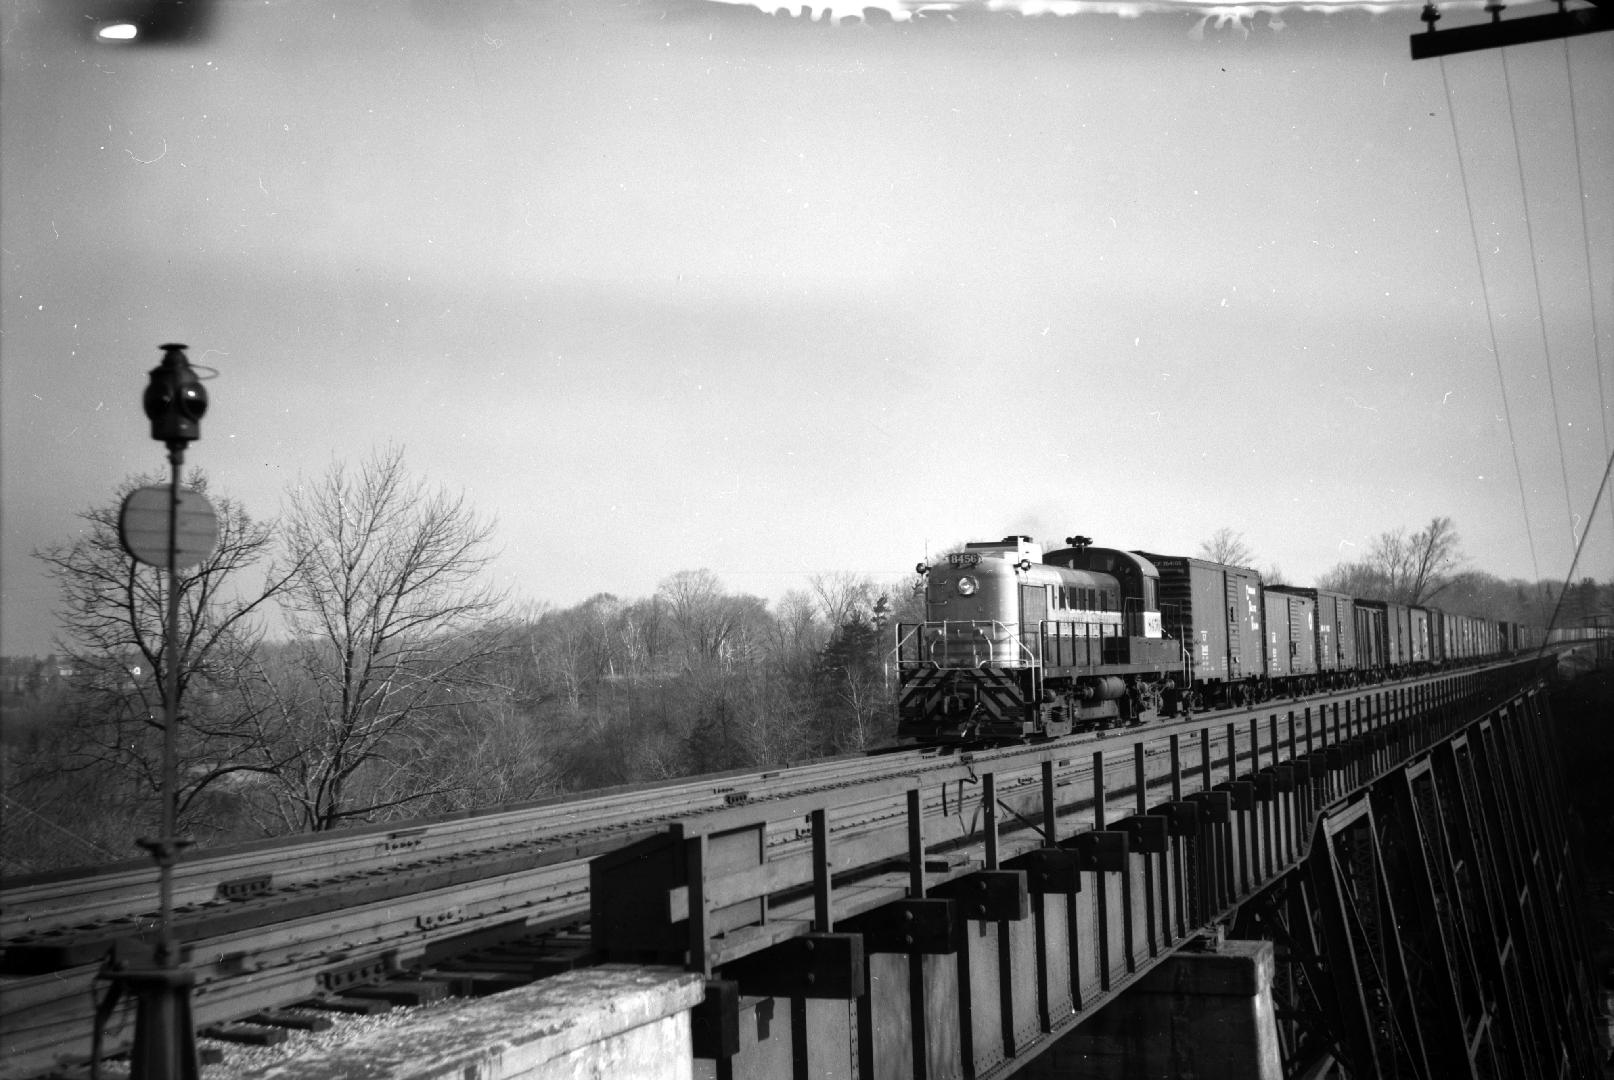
[
  {"x": 1427, "y": 566},
  {"x": 354, "y": 663}
]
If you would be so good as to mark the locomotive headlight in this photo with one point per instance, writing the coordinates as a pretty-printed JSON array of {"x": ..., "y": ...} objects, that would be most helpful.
[{"x": 967, "y": 586}]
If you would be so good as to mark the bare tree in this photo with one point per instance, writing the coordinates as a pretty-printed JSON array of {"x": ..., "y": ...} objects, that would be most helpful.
[
  {"x": 642, "y": 629},
  {"x": 1406, "y": 569},
  {"x": 1414, "y": 568},
  {"x": 113, "y": 623},
  {"x": 713, "y": 626},
  {"x": 1227, "y": 546},
  {"x": 576, "y": 648},
  {"x": 1433, "y": 556},
  {"x": 795, "y": 630},
  {"x": 1355, "y": 579},
  {"x": 844, "y": 597},
  {"x": 392, "y": 618}
]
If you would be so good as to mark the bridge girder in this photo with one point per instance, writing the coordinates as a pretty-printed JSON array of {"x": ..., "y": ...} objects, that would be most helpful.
[{"x": 972, "y": 918}]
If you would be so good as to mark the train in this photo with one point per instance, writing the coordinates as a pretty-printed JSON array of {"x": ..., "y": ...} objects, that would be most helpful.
[{"x": 1019, "y": 645}]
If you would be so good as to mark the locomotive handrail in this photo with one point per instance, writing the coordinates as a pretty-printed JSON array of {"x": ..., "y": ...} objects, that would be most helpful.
[{"x": 928, "y": 637}]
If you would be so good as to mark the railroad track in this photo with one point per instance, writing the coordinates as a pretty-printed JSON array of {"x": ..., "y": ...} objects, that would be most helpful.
[
  {"x": 31, "y": 906},
  {"x": 264, "y": 926},
  {"x": 269, "y": 926}
]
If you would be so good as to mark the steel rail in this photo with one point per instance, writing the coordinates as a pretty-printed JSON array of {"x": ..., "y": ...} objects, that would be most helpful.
[{"x": 35, "y": 904}]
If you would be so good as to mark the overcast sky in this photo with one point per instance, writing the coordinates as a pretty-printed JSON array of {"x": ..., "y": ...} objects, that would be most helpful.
[{"x": 670, "y": 285}]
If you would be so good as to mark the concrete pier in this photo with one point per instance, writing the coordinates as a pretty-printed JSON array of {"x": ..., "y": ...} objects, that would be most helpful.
[
  {"x": 613, "y": 1021},
  {"x": 1208, "y": 1015}
]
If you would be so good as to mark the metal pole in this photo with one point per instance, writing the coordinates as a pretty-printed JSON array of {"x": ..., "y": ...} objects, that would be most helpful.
[
  {"x": 165, "y": 1040},
  {"x": 164, "y": 1036},
  {"x": 167, "y": 842}
]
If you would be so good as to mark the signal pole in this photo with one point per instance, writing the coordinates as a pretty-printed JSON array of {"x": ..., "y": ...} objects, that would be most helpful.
[{"x": 151, "y": 529}]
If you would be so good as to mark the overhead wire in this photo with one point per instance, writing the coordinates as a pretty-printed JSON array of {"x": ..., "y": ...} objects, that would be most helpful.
[
  {"x": 1591, "y": 290},
  {"x": 1569, "y": 578},
  {"x": 1490, "y": 320},
  {"x": 1541, "y": 307},
  {"x": 86, "y": 841}
]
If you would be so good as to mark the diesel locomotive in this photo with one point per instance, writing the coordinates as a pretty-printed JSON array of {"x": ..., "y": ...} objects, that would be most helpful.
[{"x": 1019, "y": 645}]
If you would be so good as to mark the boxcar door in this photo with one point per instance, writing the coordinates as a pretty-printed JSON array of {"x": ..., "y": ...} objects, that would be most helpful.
[{"x": 1235, "y": 604}]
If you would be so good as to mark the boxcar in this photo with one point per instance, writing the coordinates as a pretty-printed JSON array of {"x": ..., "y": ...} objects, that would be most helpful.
[
  {"x": 1291, "y": 633},
  {"x": 1372, "y": 637},
  {"x": 1335, "y": 638},
  {"x": 1215, "y": 611}
]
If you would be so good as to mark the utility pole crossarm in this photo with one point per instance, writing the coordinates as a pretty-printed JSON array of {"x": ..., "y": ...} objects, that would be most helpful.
[{"x": 1517, "y": 31}]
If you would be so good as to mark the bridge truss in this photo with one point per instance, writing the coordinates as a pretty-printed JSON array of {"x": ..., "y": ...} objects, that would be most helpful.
[
  {"x": 1431, "y": 929},
  {"x": 1404, "y": 848}
]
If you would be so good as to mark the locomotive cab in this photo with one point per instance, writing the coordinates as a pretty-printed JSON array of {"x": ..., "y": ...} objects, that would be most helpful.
[{"x": 1138, "y": 578}]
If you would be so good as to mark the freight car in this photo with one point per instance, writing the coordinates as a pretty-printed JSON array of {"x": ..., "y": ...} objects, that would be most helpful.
[
  {"x": 1215, "y": 610},
  {"x": 1335, "y": 633},
  {"x": 1018, "y": 646}
]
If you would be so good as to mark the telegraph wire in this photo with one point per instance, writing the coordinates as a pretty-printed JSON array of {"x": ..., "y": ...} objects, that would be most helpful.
[
  {"x": 1579, "y": 547},
  {"x": 86, "y": 841},
  {"x": 1586, "y": 247},
  {"x": 1541, "y": 308},
  {"x": 1490, "y": 320}
]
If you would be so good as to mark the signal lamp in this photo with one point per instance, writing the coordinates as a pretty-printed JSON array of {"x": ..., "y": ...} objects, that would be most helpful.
[{"x": 175, "y": 400}]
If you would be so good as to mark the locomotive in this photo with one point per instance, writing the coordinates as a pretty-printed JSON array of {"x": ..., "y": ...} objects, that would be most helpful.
[
  {"x": 1016, "y": 646},
  {"x": 1020, "y": 646}
]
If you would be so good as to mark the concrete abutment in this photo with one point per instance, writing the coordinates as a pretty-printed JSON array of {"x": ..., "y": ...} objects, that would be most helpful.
[
  {"x": 615, "y": 1021},
  {"x": 1205, "y": 1014}
]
